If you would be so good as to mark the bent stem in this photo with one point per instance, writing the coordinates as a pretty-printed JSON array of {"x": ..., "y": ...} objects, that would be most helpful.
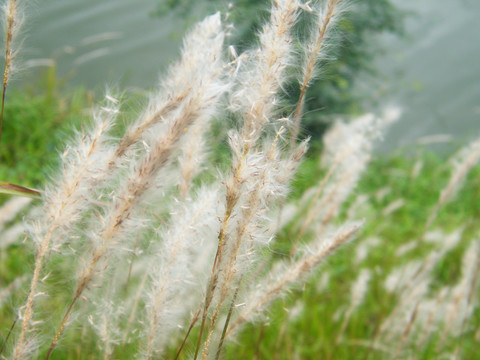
[
  {"x": 59, "y": 332},
  {"x": 194, "y": 321},
  {"x": 232, "y": 200},
  {"x": 310, "y": 66},
  {"x": 8, "y": 335},
  {"x": 5, "y": 79},
  {"x": 209, "y": 295},
  {"x": 13, "y": 22},
  {"x": 227, "y": 321},
  {"x": 30, "y": 298}
]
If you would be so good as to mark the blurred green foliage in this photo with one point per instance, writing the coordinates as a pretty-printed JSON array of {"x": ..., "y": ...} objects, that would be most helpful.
[
  {"x": 37, "y": 122},
  {"x": 353, "y": 49}
]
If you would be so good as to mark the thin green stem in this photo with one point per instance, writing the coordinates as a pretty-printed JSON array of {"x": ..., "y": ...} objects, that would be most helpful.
[
  {"x": 227, "y": 321},
  {"x": 8, "y": 335},
  {"x": 3, "y": 103},
  {"x": 194, "y": 320},
  {"x": 59, "y": 332}
]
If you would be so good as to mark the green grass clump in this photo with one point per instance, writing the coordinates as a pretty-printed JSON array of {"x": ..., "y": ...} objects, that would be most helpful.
[
  {"x": 309, "y": 329},
  {"x": 36, "y": 126},
  {"x": 311, "y": 332}
]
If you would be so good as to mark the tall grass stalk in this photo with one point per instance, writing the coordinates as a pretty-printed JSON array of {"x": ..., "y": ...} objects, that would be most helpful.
[
  {"x": 61, "y": 207},
  {"x": 326, "y": 16},
  {"x": 466, "y": 159},
  {"x": 284, "y": 275},
  {"x": 12, "y": 15},
  {"x": 255, "y": 99}
]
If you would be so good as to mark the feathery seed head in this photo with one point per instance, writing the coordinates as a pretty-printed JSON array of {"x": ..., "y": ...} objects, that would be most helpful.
[{"x": 13, "y": 18}]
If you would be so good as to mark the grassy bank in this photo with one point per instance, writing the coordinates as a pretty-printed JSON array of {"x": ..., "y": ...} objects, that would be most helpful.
[
  {"x": 395, "y": 196},
  {"x": 38, "y": 121}
]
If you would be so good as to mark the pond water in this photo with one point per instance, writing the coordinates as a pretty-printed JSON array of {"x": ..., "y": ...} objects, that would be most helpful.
[
  {"x": 433, "y": 74},
  {"x": 95, "y": 43}
]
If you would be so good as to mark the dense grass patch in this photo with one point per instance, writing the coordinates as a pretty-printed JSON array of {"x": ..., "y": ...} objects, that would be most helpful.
[
  {"x": 310, "y": 328},
  {"x": 36, "y": 127}
]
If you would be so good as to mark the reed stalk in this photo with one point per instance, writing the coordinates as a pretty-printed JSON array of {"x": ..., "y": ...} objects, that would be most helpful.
[{"x": 13, "y": 19}]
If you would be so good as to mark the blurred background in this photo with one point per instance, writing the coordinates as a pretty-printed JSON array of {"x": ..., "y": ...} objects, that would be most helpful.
[{"x": 422, "y": 56}]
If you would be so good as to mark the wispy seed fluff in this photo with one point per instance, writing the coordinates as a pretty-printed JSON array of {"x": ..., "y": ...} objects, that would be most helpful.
[
  {"x": 463, "y": 162},
  {"x": 359, "y": 289},
  {"x": 65, "y": 199},
  {"x": 255, "y": 100},
  {"x": 462, "y": 295},
  {"x": 283, "y": 276},
  {"x": 423, "y": 310},
  {"x": 245, "y": 230},
  {"x": 201, "y": 104},
  {"x": 186, "y": 250},
  {"x": 106, "y": 323},
  {"x": 250, "y": 232},
  {"x": 13, "y": 19},
  {"x": 193, "y": 155},
  {"x": 346, "y": 154},
  {"x": 197, "y": 72},
  {"x": 112, "y": 230},
  {"x": 326, "y": 15},
  {"x": 265, "y": 73},
  {"x": 64, "y": 203},
  {"x": 412, "y": 283}
]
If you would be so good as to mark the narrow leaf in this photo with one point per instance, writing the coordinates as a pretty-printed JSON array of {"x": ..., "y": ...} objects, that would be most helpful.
[{"x": 12, "y": 189}]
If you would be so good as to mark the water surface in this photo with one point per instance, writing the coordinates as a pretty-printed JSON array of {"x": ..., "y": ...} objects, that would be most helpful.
[{"x": 433, "y": 74}]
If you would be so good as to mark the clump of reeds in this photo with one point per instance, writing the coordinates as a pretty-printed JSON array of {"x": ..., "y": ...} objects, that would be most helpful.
[
  {"x": 111, "y": 191},
  {"x": 159, "y": 256}
]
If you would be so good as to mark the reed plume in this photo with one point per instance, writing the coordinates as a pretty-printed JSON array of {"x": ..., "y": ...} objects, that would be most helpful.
[
  {"x": 62, "y": 203},
  {"x": 255, "y": 100},
  {"x": 13, "y": 17},
  {"x": 465, "y": 160},
  {"x": 284, "y": 275},
  {"x": 326, "y": 16}
]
